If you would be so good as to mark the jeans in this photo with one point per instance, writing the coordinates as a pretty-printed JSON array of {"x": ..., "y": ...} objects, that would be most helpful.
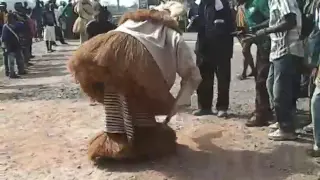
[
  {"x": 283, "y": 77},
  {"x": 5, "y": 61},
  {"x": 15, "y": 58},
  {"x": 315, "y": 113}
]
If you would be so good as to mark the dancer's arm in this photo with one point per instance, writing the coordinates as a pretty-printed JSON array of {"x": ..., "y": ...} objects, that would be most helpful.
[{"x": 187, "y": 70}]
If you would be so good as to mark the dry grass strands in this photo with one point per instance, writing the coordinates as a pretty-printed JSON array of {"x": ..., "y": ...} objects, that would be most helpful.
[
  {"x": 154, "y": 16},
  {"x": 149, "y": 142},
  {"x": 119, "y": 61}
]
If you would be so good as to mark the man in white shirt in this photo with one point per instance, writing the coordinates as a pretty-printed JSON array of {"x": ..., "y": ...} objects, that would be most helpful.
[{"x": 286, "y": 54}]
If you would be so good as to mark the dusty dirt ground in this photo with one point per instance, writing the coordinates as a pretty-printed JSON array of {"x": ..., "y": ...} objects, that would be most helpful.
[{"x": 45, "y": 124}]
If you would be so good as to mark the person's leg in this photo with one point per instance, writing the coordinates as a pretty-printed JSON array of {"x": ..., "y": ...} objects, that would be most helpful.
[
  {"x": 83, "y": 37},
  {"x": 26, "y": 55},
  {"x": 205, "y": 89},
  {"x": 30, "y": 49},
  {"x": 6, "y": 61},
  {"x": 52, "y": 36},
  {"x": 19, "y": 57},
  {"x": 285, "y": 70},
  {"x": 247, "y": 60},
  {"x": 48, "y": 46},
  {"x": 263, "y": 111},
  {"x": 223, "y": 73},
  {"x": 311, "y": 89},
  {"x": 11, "y": 61},
  {"x": 315, "y": 112},
  {"x": 29, "y": 52}
]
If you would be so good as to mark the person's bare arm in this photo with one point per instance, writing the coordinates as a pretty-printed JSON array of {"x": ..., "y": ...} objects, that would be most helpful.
[
  {"x": 288, "y": 23},
  {"x": 262, "y": 25}
]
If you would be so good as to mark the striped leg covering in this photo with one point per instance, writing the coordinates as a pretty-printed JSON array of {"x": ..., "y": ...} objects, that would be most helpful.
[{"x": 122, "y": 117}]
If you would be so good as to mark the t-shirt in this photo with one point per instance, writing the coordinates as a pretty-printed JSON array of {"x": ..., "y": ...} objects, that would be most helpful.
[
  {"x": 256, "y": 11},
  {"x": 288, "y": 42}
]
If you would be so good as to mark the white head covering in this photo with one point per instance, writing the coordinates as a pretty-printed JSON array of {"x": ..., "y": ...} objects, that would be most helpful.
[{"x": 176, "y": 9}]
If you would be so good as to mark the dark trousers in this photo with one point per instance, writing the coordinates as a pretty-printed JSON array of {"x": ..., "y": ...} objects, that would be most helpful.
[
  {"x": 262, "y": 101},
  {"x": 26, "y": 54},
  {"x": 209, "y": 67},
  {"x": 59, "y": 35}
]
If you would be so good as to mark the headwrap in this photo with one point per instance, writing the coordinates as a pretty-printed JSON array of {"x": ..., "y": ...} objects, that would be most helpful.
[{"x": 175, "y": 8}]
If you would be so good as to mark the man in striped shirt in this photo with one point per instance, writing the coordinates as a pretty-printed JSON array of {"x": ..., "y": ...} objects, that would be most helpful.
[
  {"x": 285, "y": 56},
  {"x": 315, "y": 101}
]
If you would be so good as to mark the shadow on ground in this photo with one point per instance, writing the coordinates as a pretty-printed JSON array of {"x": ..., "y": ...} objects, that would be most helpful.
[
  {"x": 40, "y": 71},
  {"x": 210, "y": 162}
]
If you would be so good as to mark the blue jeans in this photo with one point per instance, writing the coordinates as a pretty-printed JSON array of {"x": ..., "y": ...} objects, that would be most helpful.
[
  {"x": 315, "y": 113},
  {"x": 5, "y": 61},
  {"x": 282, "y": 81},
  {"x": 15, "y": 58}
]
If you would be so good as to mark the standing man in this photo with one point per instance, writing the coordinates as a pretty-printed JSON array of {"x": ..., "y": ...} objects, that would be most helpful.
[
  {"x": 49, "y": 22},
  {"x": 286, "y": 54},
  {"x": 3, "y": 16},
  {"x": 256, "y": 14},
  {"x": 68, "y": 14},
  {"x": 25, "y": 34},
  {"x": 36, "y": 15},
  {"x": 214, "y": 51},
  {"x": 315, "y": 100}
]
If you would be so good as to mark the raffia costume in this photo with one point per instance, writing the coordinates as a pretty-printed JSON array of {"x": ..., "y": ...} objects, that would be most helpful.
[{"x": 130, "y": 70}]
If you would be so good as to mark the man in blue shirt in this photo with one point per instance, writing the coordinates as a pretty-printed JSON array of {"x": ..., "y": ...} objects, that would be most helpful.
[{"x": 12, "y": 45}]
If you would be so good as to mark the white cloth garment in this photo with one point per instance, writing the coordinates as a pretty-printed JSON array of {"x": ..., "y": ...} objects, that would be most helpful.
[
  {"x": 49, "y": 33},
  {"x": 218, "y": 5},
  {"x": 170, "y": 52}
]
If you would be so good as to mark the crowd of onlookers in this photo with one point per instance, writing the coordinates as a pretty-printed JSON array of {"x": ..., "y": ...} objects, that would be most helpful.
[
  {"x": 24, "y": 24},
  {"x": 48, "y": 21},
  {"x": 286, "y": 33}
]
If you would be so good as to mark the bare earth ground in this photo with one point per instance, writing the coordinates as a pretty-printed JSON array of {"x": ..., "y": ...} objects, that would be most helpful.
[{"x": 46, "y": 123}]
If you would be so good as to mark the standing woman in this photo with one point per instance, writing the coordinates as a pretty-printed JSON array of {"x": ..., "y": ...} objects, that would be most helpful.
[{"x": 85, "y": 13}]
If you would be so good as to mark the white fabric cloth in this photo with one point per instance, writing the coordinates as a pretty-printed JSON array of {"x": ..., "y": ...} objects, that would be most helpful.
[
  {"x": 59, "y": 11},
  {"x": 218, "y": 5},
  {"x": 169, "y": 50},
  {"x": 49, "y": 33}
]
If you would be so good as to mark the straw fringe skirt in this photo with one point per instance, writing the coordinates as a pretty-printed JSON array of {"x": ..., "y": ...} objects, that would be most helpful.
[
  {"x": 123, "y": 63},
  {"x": 117, "y": 70}
]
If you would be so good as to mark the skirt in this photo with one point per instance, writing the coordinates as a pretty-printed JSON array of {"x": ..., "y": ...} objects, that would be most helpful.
[
  {"x": 131, "y": 132},
  {"x": 49, "y": 33},
  {"x": 118, "y": 61}
]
